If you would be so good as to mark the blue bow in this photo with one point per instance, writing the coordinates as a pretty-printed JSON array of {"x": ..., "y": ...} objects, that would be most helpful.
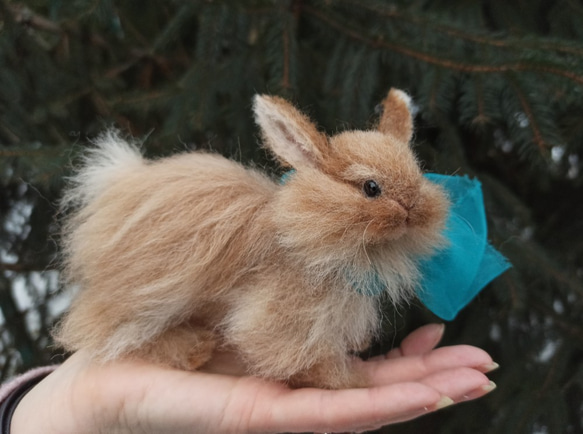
[{"x": 456, "y": 274}]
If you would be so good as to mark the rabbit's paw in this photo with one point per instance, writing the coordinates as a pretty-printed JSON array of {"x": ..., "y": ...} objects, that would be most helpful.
[
  {"x": 331, "y": 374},
  {"x": 184, "y": 347}
]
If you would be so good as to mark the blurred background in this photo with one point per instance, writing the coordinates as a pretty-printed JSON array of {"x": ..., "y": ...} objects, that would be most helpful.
[{"x": 498, "y": 91}]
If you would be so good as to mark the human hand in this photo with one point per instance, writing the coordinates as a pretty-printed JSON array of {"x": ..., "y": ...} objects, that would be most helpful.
[{"x": 132, "y": 396}]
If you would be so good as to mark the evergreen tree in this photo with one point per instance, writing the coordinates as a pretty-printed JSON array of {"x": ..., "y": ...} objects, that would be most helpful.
[{"x": 499, "y": 90}]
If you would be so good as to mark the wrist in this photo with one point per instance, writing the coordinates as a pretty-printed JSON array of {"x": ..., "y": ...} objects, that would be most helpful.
[
  {"x": 66, "y": 401},
  {"x": 13, "y": 392}
]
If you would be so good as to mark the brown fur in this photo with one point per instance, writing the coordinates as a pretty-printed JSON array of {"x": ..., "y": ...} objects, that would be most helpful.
[{"x": 183, "y": 255}]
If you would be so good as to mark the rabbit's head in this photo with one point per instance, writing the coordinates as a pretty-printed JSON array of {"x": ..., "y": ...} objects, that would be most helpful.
[{"x": 357, "y": 196}]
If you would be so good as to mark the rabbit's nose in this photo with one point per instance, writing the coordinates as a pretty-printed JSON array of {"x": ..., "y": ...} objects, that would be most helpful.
[
  {"x": 407, "y": 206},
  {"x": 406, "y": 193},
  {"x": 399, "y": 213},
  {"x": 408, "y": 199}
]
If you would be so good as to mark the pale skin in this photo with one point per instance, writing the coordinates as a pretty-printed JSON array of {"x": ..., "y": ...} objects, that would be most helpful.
[{"x": 135, "y": 397}]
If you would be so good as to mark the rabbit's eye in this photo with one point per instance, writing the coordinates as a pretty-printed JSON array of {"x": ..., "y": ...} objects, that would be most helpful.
[{"x": 371, "y": 188}]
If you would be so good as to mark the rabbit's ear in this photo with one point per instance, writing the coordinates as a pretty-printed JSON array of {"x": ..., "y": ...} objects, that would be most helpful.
[
  {"x": 396, "y": 118},
  {"x": 290, "y": 135}
]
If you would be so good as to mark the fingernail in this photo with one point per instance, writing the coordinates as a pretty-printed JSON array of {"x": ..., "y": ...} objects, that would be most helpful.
[
  {"x": 489, "y": 367},
  {"x": 480, "y": 391},
  {"x": 439, "y": 331},
  {"x": 445, "y": 401},
  {"x": 489, "y": 387}
]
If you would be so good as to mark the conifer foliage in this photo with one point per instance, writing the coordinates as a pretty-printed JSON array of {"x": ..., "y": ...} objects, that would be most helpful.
[{"x": 498, "y": 90}]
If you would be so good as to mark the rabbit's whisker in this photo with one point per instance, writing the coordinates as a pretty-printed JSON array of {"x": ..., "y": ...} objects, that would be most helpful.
[{"x": 364, "y": 242}]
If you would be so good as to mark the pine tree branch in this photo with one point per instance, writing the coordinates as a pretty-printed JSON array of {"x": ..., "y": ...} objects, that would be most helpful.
[
  {"x": 287, "y": 32},
  {"x": 543, "y": 146},
  {"x": 24, "y": 15},
  {"x": 180, "y": 18},
  {"x": 531, "y": 253},
  {"x": 568, "y": 327},
  {"x": 520, "y": 66},
  {"x": 285, "y": 82},
  {"x": 534, "y": 403},
  {"x": 576, "y": 6},
  {"x": 434, "y": 90},
  {"x": 87, "y": 11},
  {"x": 24, "y": 268},
  {"x": 481, "y": 118},
  {"x": 459, "y": 34},
  {"x": 5, "y": 372},
  {"x": 16, "y": 325},
  {"x": 10, "y": 133},
  {"x": 20, "y": 152}
]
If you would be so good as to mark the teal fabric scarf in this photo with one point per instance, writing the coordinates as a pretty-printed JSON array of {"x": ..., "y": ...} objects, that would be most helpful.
[{"x": 456, "y": 274}]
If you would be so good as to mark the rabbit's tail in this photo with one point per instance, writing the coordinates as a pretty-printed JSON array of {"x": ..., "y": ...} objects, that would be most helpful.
[{"x": 105, "y": 163}]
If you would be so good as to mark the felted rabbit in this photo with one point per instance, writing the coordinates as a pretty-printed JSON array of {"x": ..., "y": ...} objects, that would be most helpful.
[{"x": 180, "y": 256}]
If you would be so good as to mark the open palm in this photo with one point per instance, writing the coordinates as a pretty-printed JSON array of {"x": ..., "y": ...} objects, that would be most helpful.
[{"x": 134, "y": 397}]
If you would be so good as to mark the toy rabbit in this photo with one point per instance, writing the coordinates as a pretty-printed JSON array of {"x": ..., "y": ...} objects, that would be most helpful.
[{"x": 184, "y": 255}]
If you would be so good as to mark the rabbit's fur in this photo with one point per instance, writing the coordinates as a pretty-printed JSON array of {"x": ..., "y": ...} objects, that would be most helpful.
[{"x": 180, "y": 256}]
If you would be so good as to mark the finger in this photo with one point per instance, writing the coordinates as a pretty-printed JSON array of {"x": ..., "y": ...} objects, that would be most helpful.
[
  {"x": 421, "y": 340},
  {"x": 253, "y": 405},
  {"x": 443, "y": 402},
  {"x": 461, "y": 384},
  {"x": 349, "y": 410},
  {"x": 413, "y": 368}
]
